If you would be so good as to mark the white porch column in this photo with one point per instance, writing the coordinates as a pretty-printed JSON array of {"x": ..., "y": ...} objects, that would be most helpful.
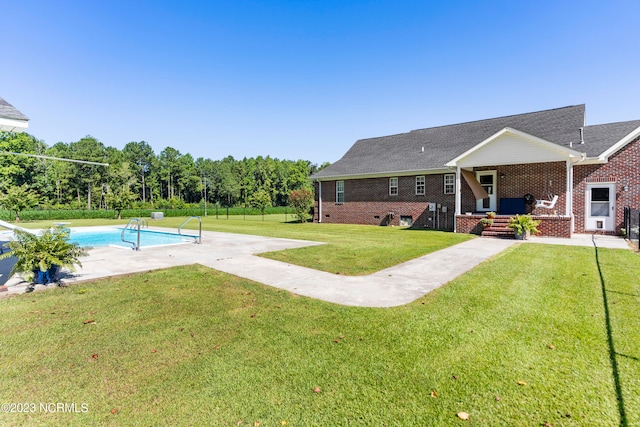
[
  {"x": 458, "y": 208},
  {"x": 458, "y": 195},
  {"x": 569, "y": 203}
]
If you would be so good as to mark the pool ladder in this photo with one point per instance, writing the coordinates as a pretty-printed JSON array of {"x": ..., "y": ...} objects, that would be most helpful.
[
  {"x": 133, "y": 225},
  {"x": 144, "y": 223},
  {"x": 197, "y": 238}
]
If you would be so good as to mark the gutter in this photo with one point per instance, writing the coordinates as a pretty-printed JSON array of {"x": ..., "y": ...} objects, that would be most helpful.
[
  {"x": 384, "y": 174},
  {"x": 319, "y": 200}
]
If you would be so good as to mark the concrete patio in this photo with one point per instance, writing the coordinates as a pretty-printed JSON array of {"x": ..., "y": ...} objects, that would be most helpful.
[{"x": 236, "y": 254}]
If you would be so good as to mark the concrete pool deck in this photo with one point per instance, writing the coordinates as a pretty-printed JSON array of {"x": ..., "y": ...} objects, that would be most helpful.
[{"x": 235, "y": 254}]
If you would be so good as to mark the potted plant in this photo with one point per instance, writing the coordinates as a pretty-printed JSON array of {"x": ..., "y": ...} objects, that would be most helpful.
[
  {"x": 523, "y": 226},
  {"x": 40, "y": 257},
  {"x": 486, "y": 222},
  {"x": 491, "y": 215}
]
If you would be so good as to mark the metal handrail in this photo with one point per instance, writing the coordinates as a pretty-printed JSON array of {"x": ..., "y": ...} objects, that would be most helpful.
[
  {"x": 136, "y": 246},
  {"x": 199, "y": 239}
]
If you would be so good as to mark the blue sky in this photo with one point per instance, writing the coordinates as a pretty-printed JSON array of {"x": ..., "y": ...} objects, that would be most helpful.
[{"x": 306, "y": 79}]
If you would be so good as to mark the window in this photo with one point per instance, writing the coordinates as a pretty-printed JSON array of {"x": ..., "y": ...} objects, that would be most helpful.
[
  {"x": 419, "y": 185},
  {"x": 600, "y": 202},
  {"x": 450, "y": 183},
  {"x": 393, "y": 186},
  {"x": 339, "y": 191}
]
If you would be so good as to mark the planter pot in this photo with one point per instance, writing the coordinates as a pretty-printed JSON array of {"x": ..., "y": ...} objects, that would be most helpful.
[
  {"x": 523, "y": 235},
  {"x": 45, "y": 277}
]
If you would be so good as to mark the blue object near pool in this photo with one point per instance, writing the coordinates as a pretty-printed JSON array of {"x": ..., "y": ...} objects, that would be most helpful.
[
  {"x": 45, "y": 277},
  {"x": 112, "y": 237}
]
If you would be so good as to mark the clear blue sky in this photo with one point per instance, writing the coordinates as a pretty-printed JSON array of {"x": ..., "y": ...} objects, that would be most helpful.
[{"x": 306, "y": 79}]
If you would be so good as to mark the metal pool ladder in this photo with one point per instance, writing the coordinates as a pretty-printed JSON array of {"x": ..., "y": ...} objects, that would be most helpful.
[
  {"x": 133, "y": 224},
  {"x": 199, "y": 237}
]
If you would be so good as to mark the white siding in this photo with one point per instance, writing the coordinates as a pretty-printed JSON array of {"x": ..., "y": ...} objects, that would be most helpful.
[{"x": 509, "y": 149}]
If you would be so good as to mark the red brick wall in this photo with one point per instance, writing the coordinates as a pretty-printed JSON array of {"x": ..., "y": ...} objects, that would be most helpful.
[
  {"x": 623, "y": 169},
  {"x": 469, "y": 224},
  {"x": 538, "y": 179},
  {"x": 553, "y": 226},
  {"x": 367, "y": 201}
]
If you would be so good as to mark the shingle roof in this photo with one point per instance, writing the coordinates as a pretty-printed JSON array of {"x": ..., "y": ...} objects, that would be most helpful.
[
  {"x": 8, "y": 111},
  {"x": 403, "y": 152},
  {"x": 599, "y": 138}
]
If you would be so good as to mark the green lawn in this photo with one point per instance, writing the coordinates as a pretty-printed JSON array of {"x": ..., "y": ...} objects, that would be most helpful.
[{"x": 193, "y": 346}]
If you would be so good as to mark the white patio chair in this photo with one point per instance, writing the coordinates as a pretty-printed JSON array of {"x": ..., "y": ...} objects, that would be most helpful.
[{"x": 547, "y": 204}]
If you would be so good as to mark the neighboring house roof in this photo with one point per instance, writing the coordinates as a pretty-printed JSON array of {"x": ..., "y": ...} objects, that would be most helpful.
[
  {"x": 11, "y": 120},
  {"x": 433, "y": 149}
]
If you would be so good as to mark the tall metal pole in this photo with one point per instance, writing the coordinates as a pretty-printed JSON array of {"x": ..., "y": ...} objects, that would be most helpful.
[{"x": 205, "y": 196}]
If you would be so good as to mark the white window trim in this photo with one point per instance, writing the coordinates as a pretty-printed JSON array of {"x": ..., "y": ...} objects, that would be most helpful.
[
  {"x": 424, "y": 185},
  {"x": 451, "y": 184},
  {"x": 391, "y": 186},
  {"x": 339, "y": 192}
]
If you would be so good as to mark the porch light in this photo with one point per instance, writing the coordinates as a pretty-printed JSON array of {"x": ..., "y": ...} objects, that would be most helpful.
[{"x": 502, "y": 175}]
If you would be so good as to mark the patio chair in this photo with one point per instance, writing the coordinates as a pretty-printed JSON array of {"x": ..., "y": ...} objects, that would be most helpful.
[{"x": 547, "y": 204}]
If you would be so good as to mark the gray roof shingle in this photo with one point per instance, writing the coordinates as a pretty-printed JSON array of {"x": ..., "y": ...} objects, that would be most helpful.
[
  {"x": 8, "y": 111},
  {"x": 403, "y": 152},
  {"x": 599, "y": 138}
]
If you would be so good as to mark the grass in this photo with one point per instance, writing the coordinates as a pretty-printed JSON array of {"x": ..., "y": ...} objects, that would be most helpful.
[
  {"x": 193, "y": 346},
  {"x": 350, "y": 249}
]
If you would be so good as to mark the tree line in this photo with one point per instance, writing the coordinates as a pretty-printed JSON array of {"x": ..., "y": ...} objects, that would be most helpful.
[{"x": 137, "y": 176}]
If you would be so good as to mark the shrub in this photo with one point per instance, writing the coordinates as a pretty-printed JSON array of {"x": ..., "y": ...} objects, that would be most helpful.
[
  {"x": 41, "y": 252},
  {"x": 301, "y": 201},
  {"x": 523, "y": 224}
]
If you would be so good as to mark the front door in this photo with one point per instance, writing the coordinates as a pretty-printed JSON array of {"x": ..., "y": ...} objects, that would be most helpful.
[
  {"x": 600, "y": 207},
  {"x": 487, "y": 180}
]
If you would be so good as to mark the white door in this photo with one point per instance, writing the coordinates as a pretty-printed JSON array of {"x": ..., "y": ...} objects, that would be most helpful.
[
  {"x": 600, "y": 207},
  {"x": 487, "y": 180}
]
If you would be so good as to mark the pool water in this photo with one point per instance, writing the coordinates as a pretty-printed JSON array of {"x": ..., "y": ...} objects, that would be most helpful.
[{"x": 112, "y": 236}]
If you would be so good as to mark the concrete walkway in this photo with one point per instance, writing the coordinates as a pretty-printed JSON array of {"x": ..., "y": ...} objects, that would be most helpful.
[{"x": 235, "y": 254}]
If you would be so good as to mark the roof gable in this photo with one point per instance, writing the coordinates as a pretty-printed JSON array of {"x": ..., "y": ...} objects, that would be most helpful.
[
  {"x": 11, "y": 120},
  {"x": 511, "y": 146}
]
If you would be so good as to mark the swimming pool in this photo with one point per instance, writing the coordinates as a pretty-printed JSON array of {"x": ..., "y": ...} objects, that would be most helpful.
[{"x": 109, "y": 236}]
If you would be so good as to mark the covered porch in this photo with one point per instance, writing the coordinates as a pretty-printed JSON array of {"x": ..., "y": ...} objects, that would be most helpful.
[{"x": 515, "y": 173}]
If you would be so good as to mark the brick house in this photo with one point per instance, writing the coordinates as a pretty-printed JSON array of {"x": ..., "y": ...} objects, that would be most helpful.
[{"x": 575, "y": 178}]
